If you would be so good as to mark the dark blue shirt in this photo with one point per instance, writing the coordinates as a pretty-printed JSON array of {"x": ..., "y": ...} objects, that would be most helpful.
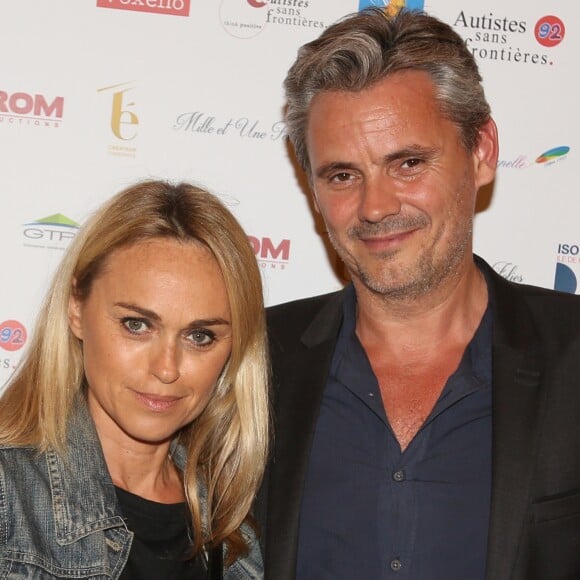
[{"x": 372, "y": 512}]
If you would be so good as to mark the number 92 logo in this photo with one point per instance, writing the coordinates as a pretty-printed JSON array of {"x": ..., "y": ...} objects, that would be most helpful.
[
  {"x": 12, "y": 335},
  {"x": 549, "y": 31}
]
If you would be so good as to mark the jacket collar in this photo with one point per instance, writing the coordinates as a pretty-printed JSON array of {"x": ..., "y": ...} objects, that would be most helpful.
[
  {"x": 303, "y": 370},
  {"x": 326, "y": 324},
  {"x": 83, "y": 495},
  {"x": 518, "y": 400}
]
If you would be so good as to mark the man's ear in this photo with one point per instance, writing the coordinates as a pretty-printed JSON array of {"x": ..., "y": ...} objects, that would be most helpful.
[
  {"x": 315, "y": 200},
  {"x": 310, "y": 179},
  {"x": 75, "y": 314},
  {"x": 485, "y": 154}
]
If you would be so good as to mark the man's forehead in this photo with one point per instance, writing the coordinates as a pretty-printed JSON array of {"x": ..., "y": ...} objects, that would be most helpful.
[
  {"x": 408, "y": 80},
  {"x": 395, "y": 106}
]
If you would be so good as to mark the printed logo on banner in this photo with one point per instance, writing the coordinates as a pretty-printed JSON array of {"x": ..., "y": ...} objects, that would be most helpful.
[
  {"x": 247, "y": 18},
  {"x": 549, "y": 31},
  {"x": 392, "y": 7},
  {"x": 123, "y": 120},
  {"x": 509, "y": 271},
  {"x": 271, "y": 254},
  {"x": 173, "y": 7},
  {"x": 243, "y": 18},
  {"x": 567, "y": 267},
  {"x": 12, "y": 335},
  {"x": 35, "y": 110},
  {"x": 496, "y": 37},
  {"x": 547, "y": 159},
  {"x": 53, "y": 232},
  {"x": 552, "y": 155},
  {"x": 13, "y": 338},
  {"x": 247, "y": 128}
]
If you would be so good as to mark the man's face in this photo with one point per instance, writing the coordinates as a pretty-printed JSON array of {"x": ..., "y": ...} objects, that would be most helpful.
[{"x": 394, "y": 183}]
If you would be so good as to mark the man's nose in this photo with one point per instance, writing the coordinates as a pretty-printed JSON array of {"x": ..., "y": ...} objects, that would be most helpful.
[{"x": 379, "y": 199}]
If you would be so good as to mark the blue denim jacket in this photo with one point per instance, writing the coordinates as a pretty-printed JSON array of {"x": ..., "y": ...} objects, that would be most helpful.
[{"x": 60, "y": 518}]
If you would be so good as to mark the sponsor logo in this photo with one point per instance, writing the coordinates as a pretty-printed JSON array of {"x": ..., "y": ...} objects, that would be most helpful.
[
  {"x": 53, "y": 232},
  {"x": 552, "y": 155},
  {"x": 248, "y": 128},
  {"x": 496, "y": 37},
  {"x": 292, "y": 14},
  {"x": 123, "y": 120},
  {"x": 509, "y": 271},
  {"x": 392, "y": 7},
  {"x": 547, "y": 158},
  {"x": 35, "y": 110},
  {"x": 567, "y": 268},
  {"x": 518, "y": 162},
  {"x": 243, "y": 18},
  {"x": 247, "y": 18},
  {"x": 270, "y": 254},
  {"x": 173, "y": 7},
  {"x": 549, "y": 31},
  {"x": 12, "y": 335}
]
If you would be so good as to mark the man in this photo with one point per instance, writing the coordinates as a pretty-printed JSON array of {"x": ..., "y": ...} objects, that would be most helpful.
[{"x": 427, "y": 418}]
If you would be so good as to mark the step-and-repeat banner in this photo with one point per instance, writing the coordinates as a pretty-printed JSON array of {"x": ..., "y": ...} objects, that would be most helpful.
[{"x": 98, "y": 94}]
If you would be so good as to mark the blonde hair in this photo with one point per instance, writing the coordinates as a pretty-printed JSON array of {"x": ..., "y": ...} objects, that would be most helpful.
[{"x": 226, "y": 446}]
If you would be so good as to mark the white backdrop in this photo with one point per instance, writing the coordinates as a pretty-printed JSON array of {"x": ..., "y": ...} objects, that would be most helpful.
[{"x": 95, "y": 95}]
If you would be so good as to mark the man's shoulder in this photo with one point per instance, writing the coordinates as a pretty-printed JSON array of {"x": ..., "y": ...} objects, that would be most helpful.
[
  {"x": 543, "y": 299},
  {"x": 555, "y": 315},
  {"x": 559, "y": 311},
  {"x": 292, "y": 318},
  {"x": 302, "y": 305}
]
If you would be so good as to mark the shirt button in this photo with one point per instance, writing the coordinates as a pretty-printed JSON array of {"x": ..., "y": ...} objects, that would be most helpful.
[
  {"x": 399, "y": 476},
  {"x": 396, "y": 565}
]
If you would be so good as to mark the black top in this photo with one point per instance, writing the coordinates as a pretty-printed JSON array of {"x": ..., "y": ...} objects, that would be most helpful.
[
  {"x": 161, "y": 547},
  {"x": 372, "y": 511}
]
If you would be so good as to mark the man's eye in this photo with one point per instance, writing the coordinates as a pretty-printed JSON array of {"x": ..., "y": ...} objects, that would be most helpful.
[
  {"x": 202, "y": 337},
  {"x": 410, "y": 163},
  {"x": 135, "y": 325},
  {"x": 342, "y": 176}
]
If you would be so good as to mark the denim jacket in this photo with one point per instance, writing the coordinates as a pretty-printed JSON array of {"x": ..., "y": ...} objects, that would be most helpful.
[{"x": 60, "y": 518}]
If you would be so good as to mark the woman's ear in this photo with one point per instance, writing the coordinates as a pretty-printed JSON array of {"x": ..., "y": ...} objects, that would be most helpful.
[{"x": 75, "y": 313}]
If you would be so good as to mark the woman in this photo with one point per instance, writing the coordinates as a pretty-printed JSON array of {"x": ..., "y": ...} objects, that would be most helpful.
[{"x": 133, "y": 436}]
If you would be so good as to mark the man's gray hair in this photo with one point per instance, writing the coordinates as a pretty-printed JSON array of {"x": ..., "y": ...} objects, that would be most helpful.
[{"x": 364, "y": 48}]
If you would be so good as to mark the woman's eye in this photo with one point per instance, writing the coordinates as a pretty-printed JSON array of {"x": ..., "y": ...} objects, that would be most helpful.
[
  {"x": 135, "y": 325},
  {"x": 202, "y": 337}
]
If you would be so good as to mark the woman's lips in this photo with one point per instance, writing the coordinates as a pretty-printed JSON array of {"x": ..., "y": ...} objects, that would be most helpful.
[{"x": 158, "y": 403}]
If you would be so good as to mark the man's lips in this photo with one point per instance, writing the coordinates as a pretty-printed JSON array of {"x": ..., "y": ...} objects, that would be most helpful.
[
  {"x": 157, "y": 403},
  {"x": 387, "y": 241}
]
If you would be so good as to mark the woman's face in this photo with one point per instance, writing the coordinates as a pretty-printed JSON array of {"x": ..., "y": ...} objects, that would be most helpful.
[{"x": 156, "y": 335}]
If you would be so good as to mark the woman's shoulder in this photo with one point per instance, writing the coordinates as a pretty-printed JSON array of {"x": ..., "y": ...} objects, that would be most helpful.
[
  {"x": 250, "y": 566},
  {"x": 27, "y": 457},
  {"x": 23, "y": 470},
  {"x": 18, "y": 455}
]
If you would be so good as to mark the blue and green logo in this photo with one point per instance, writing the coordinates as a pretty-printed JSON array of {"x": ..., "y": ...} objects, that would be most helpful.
[
  {"x": 392, "y": 7},
  {"x": 553, "y": 154}
]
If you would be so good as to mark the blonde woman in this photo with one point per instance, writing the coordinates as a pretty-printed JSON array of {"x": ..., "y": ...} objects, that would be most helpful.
[{"x": 134, "y": 434}]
